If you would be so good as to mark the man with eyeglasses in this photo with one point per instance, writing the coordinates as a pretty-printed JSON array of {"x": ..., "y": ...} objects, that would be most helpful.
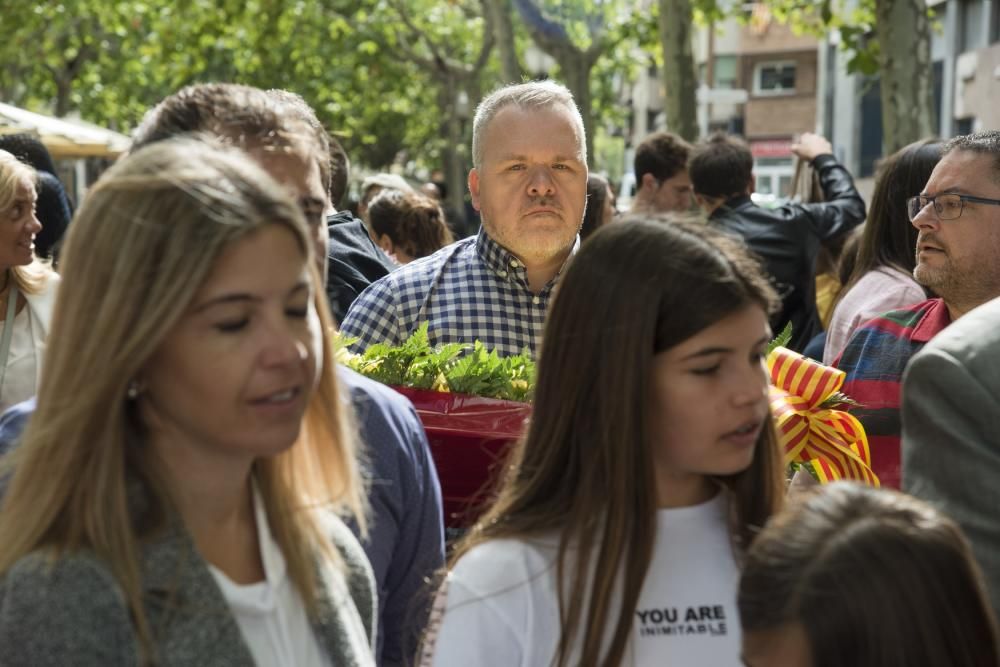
[
  {"x": 951, "y": 390},
  {"x": 958, "y": 259}
]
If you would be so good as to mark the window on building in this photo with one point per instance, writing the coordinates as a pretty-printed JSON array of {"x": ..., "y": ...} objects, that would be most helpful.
[
  {"x": 774, "y": 177},
  {"x": 994, "y": 23},
  {"x": 774, "y": 78},
  {"x": 971, "y": 36},
  {"x": 725, "y": 72}
]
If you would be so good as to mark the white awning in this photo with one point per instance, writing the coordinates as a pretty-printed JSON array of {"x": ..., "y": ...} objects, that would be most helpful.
[{"x": 64, "y": 137}]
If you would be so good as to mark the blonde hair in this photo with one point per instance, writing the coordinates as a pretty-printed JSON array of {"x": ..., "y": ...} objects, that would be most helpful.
[
  {"x": 142, "y": 245},
  {"x": 30, "y": 278}
]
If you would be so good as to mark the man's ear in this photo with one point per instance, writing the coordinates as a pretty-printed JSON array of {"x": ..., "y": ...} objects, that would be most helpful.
[
  {"x": 649, "y": 183},
  {"x": 384, "y": 242},
  {"x": 752, "y": 184},
  {"x": 474, "y": 187}
]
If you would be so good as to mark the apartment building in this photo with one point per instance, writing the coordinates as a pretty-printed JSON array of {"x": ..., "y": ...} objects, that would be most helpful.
[{"x": 965, "y": 54}]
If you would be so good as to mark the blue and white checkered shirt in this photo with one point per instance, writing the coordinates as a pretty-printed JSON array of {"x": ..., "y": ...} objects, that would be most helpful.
[{"x": 471, "y": 290}]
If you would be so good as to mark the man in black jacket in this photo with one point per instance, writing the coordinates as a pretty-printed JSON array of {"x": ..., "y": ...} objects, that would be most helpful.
[
  {"x": 787, "y": 237},
  {"x": 353, "y": 260}
]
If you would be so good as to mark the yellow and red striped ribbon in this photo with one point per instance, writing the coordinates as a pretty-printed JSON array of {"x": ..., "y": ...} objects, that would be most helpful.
[{"x": 831, "y": 442}]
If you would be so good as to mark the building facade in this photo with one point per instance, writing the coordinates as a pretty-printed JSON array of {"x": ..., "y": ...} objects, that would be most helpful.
[{"x": 758, "y": 80}]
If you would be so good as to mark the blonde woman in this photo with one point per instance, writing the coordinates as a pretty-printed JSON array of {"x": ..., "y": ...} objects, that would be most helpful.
[
  {"x": 172, "y": 499},
  {"x": 28, "y": 286}
]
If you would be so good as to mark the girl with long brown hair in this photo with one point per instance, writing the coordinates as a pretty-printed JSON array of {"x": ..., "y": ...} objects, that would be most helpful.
[{"x": 649, "y": 462}]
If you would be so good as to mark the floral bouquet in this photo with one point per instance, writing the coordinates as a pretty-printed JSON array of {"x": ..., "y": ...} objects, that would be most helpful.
[
  {"x": 818, "y": 436},
  {"x": 473, "y": 404}
]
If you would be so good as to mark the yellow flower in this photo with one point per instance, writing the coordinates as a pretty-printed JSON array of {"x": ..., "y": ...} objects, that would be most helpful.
[{"x": 441, "y": 384}]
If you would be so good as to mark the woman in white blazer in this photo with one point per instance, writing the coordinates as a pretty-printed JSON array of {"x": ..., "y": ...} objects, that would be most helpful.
[{"x": 28, "y": 286}]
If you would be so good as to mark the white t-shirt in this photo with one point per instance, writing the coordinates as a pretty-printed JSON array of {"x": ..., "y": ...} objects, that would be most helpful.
[
  {"x": 499, "y": 603},
  {"x": 270, "y": 613},
  {"x": 21, "y": 380}
]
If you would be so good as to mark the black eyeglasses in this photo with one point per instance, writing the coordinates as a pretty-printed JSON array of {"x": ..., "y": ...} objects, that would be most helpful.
[{"x": 947, "y": 207}]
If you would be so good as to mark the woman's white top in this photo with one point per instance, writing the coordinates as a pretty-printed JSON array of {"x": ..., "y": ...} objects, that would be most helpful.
[
  {"x": 21, "y": 381},
  {"x": 879, "y": 291},
  {"x": 498, "y": 606},
  {"x": 270, "y": 613},
  {"x": 27, "y": 346}
]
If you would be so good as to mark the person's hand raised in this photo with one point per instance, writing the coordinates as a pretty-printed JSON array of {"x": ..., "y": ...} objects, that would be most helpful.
[{"x": 810, "y": 145}]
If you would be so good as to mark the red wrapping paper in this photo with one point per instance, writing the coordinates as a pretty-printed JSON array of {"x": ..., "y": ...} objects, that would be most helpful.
[{"x": 469, "y": 438}]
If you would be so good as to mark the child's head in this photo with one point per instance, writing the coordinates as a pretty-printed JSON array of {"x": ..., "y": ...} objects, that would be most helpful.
[
  {"x": 407, "y": 224},
  {"x": 855, "y": 576}
]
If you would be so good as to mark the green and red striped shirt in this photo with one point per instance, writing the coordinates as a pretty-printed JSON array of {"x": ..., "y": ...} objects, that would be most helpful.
[{"x": 874, "y": 361}]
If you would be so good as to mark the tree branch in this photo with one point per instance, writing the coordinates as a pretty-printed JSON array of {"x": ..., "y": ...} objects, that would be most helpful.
[
  {"x": 402, "y": 45},
  {"x": 489, "y": 39},
  {"x": 499, "y": 12},
  {"x": 439, "y": 60},
  {"x": 550, "y": 36}
]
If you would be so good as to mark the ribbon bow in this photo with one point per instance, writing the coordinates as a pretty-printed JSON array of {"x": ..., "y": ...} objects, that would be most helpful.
[{"x": 832, "y": 442}]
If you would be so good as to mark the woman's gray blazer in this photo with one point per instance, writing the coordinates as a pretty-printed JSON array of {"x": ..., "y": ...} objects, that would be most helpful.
[{"x": 70, "y": 611}]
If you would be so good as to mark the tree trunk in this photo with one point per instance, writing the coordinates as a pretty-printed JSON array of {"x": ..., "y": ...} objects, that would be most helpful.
[
  {"x": 64, "y": 92},
  {"x": 454, "y": 165},
  {"x": 679, "y": 81},
  {"x": 575, "y": 64},
  {"x": 903, "y": 32},
  {"x": 510, "y": 65},
  {"x": 575, "y": 67}
]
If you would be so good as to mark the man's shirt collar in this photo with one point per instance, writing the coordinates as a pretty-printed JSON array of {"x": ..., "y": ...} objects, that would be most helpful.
[{"x": 504, "y": 265}]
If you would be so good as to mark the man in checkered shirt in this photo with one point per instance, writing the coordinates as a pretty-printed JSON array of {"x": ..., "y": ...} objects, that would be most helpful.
[{"x": 529, "y": 184}]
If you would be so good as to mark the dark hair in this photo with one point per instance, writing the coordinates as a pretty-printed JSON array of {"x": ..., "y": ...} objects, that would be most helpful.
[
  {"x": 54, "y": 211},
  {"x": 889, "y": 240},
  {"x": 720, "y": 166},
  {"x": 413, "y": 221},
  {"x": 849, "y": 257},
  {"x": 661, "y": 154},
  {"x": 584, "y": 468},
  {"x": 30, "y": 150},
  {"x": 986, "y": 143},
  {"x": 597, "y": 194},
  {"x": 876, "y": 578},
  {"x": 442, "y": 187},
  {"x": 245, "y": 116}
]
